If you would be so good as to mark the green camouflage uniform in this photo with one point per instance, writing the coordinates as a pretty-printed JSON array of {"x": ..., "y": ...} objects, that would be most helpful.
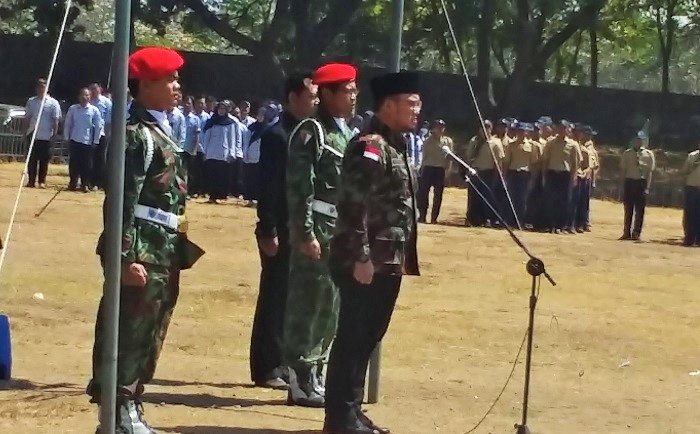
[
  {"x": 155, "y": 176},
  {"x": 313, "y": 173},
  {"x": 376, "y": 206}
]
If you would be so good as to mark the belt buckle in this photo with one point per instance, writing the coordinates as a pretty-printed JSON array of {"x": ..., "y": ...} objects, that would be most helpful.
[{"x": 182, "y": 224}]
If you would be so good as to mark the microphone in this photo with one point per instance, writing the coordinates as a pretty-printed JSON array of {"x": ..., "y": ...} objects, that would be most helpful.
[{"x": 446, "y": 149}]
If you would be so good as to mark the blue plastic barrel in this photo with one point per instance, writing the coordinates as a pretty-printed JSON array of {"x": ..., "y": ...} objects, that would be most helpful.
[{"x": 5, "y": 349}]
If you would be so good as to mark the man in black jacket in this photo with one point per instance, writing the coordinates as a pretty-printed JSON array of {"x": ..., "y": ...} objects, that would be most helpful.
[{"x": 272, "y": 234}]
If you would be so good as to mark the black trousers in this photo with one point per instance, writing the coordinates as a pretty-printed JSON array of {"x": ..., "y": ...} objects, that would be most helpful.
[
  {"x": 583, "y": 210},
  {"x": 217, "y": 179},
  {"x": 431, "y": 177},
  {"x": 536, "y": 214},
  {"x": 235, "y": 183},
  {"x": 559, "y": 190},
  {"x": 635, "y": 200},
  {"x": 99, "y": 164},
  {"x": 365, "y": 313},
  {"x": 41, "y": 154},
  {"x": 266, "y": 339},
  {"x": 80, "y": 164},
  {"x": 479, "y": 212},
  {"x": 196, "y": 182},
  {"x": 251, "y": 181},
  {"x": 518, "y": 185},
  {"x": 691, "y": 216}
]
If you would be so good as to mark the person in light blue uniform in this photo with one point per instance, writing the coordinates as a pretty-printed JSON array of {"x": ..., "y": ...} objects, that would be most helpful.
[
  {"x": 82, "y": 128},
  {"x": 46, "y": 128},
  {"x": 104, "y": 106},
  {"x": 193, "y": 129},
  {"x": 177, "y": 122}
]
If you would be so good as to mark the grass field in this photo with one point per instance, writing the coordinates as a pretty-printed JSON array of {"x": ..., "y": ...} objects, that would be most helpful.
[{"x": 449, "y": 349}]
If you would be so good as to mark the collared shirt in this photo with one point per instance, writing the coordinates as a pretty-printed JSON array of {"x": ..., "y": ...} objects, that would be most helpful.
[
  {"x": 248, "y": 121},
  {"x": 691, "y": 169},
  {"x": 49, "y": 116},
  {"x": 483, "y": 153},
  {"x": 82, "y": 124},
  {"x": 162, "y": 120},
  {"x": 520, "y": 156},
  {"x": 177, "y": 123},
  {"x": 637, "y": 164},
  {"x": 193, "y": 127},
  {"x": 219, "y": 142},
  {"x": 104, "y": 105},
  {"x": 239, "y": 136},
  {"x": 594, "y": 158},
  {"x": 561, "y": 155},
  {"x": 203, "y": 118},
  {"x": 433, "y": 156},
  {"x": 414, "y": 148}
]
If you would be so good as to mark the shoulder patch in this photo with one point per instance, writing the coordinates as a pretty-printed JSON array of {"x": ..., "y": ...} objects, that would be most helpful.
[{"x": 372, "y": 146}]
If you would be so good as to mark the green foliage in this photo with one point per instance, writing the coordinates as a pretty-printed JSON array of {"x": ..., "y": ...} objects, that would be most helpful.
[{"x": 631, "y": 35}]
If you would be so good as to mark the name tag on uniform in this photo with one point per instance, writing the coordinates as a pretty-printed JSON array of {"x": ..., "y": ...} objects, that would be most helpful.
[{"x": 156, "y": 215}]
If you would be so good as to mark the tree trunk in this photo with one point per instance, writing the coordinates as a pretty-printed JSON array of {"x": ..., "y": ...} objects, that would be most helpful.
[
  {"x": 483, "y": 56},
  {"x": 593, "y": 33},
  {"x": 574, "y": 60}
]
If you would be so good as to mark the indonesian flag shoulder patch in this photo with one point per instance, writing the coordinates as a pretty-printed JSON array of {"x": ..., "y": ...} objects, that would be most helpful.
[{"x": 372, "y": 146}]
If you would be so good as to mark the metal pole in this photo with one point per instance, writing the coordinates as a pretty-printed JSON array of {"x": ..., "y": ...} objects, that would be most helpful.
[
  {"x": 113, "y": 224},
  {"x": 393, "y": 64}
]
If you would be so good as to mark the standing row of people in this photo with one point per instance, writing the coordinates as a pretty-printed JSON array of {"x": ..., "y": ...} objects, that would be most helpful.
[
  {"x": 86, "y": 129},
  {"x": 548, "y": 169},
  {"x": 336, "y": 233}
]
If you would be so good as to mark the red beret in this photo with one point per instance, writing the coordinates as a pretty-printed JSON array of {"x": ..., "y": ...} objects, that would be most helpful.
[
  {"x": 153, "y": 63},
  {"x": 334, "y": 73}
]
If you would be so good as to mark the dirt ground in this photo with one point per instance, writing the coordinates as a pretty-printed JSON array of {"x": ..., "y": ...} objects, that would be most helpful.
[{"x": 453, "y": 338}]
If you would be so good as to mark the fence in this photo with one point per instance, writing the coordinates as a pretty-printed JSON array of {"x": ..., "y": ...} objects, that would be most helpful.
[{"x": 14, "y": 146}]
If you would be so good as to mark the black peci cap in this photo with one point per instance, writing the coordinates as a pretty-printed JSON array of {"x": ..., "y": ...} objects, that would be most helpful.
[{"x": 396, "y": 83}]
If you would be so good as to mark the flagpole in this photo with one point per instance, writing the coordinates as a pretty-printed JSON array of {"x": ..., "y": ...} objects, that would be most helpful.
[{"x": 114, "y": 202}]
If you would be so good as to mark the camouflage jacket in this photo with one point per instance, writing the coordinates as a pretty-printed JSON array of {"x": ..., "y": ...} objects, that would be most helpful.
[
  {"x": 313, "y": 173},
  {"x": 376, "y": 205},
  {"x": 154, "y": 176}
]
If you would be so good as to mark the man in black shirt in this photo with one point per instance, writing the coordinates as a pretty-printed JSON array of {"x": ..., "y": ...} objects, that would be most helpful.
[{"x": 272, "y": 234}]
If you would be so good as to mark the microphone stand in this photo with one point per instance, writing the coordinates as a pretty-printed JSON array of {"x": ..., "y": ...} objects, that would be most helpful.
[{"x": 535, "y": 268}]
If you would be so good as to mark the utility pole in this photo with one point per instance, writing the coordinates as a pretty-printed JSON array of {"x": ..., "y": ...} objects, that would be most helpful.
[{"x": 393, "y": 64}]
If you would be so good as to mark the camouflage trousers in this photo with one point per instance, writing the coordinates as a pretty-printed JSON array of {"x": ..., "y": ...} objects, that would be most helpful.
[
  {"x": 144, "y": 317},
  {"x": 311, "y": 315}
]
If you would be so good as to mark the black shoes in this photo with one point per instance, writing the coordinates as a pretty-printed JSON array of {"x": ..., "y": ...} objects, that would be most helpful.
[
  {"x": 305, "y": 389},
  {"x": 357, "y": 423}
]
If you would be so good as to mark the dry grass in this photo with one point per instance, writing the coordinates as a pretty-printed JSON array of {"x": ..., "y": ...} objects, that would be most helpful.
[{"x": 449, "y": 349}]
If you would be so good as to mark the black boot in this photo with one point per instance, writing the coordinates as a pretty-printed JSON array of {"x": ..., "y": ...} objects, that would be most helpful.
[{"x": 303, "y": 389}]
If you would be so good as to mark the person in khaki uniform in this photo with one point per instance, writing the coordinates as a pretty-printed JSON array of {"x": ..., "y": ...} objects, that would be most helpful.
[
  {"x": 561, "y": 160},
  {"x": 577, "y": 190},
  {"x": 637, "y": 167},
  {"x": 435, "y": 167},
  {"x": 536, "y": 215},
  {"x": 590, "y": 156},
  {"x": 520, "y": 156},
  {"x": 691, "y": 207},
  {"x": 486, "y": 157}
]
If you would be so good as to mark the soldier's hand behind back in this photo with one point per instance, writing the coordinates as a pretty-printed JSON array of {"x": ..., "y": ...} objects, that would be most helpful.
[
  {"x": 364, "y": 272},
  {"x": 312, "y": 249},
  {"x": 269, "y": 246},
  {"x": 134, "y": 275}
]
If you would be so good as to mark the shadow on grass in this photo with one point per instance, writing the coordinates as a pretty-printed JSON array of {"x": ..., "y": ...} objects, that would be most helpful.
[
  {"x": 20, "y": 384},
  {"x": 205, "y": 400},
  {"x": 230, "y": 430},
  {"x": 178, "y": 383},
  {"x": 678, "y": 242}
]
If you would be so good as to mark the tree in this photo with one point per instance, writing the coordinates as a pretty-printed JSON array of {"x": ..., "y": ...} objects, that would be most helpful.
[{"x": 40, "y": 17}]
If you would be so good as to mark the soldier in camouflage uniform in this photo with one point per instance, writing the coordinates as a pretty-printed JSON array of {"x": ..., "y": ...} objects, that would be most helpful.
[
  {"x": 316, "y": 150},
  {"x": 155, "y": 246},
  {"x": 374, "y": 245}
]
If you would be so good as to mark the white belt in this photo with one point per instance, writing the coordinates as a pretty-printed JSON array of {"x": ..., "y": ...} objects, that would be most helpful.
[
  {"x": 324, "y": 208},
  {"x": 155, "y": 215}
]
